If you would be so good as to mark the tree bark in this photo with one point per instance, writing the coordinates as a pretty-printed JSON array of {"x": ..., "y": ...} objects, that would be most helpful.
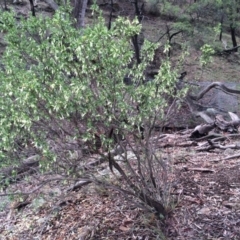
[
  {"x": 221, "y": 27},
  {"x": 233, "y": 36},
  {"x": 135, "y": 38},
  {"x": 83, "y": 12},
  {"x": 32, "y": 8},
  {"x": 76, "y": 10},
  {"x": 79, "y": 12}
]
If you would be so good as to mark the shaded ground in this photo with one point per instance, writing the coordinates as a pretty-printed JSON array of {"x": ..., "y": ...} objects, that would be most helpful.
[
  {"x": 209, "y": 205},
  {"x": 207, "y": 189},
  {"x": 92, "y": 213}
]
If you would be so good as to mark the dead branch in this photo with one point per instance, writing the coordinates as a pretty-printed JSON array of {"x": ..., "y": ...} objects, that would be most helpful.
[
  {"x": 199, "y": 169},
  {"x": 230, "y": 50},
  {"x": 29, "y": 165},
  {"x": 213, "y": 145},
  {"x": 204, "y": 111},
  {"x": 214, "y": 85},
  {"x": 78, "y": 185},
  {"x": 208, "y": 148},
  {"x": 229, "y": 136},
  {"x": 202, "y": 130},
  {"x": 212, "y": 136},
  {"x": 227, "y": 126},
  {"x": 226, "y": 158},
  {"x": 178, "y": 144},
  {"x": 224, "y": 147},
  {"x": 231, "y": 157}
]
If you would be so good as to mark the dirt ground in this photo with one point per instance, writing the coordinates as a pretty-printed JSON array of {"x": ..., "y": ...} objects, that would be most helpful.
[
  {"x": 205, "y": 186},
  {"x": 209, "y": 205}
]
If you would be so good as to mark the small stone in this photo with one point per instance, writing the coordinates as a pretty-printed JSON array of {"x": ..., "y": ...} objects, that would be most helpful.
[{"x": 228, "y": 151}]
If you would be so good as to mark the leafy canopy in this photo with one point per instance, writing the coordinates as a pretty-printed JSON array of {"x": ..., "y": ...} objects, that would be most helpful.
[{"x": 53, "y": 71}]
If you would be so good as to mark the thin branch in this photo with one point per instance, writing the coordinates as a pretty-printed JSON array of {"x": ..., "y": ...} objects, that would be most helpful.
[
  {"x": 214, "y": 85},
  {"x": 233, "y": 49},
  {"x": 174, "y": 34}
]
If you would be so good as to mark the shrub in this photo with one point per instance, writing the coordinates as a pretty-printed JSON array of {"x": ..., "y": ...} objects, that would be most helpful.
[{"x": 63, "y": 97}]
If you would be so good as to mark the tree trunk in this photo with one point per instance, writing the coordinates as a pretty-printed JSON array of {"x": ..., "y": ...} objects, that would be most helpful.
[
  {"x": 79, "y": 11},
  {"x": 32, "y": 8},
  {"x": 221, "y": 27},
  {"x": 135, "y": 38},
  {"x": 5, "y": 5},
  {"x": 233, "y": 36},
  {"x": 83, "y": 12},
  {"x": 136, "y": 48},
  {"x": 76, "y": 10}
]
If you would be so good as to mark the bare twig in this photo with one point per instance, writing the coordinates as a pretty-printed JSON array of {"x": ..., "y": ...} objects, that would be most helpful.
[
  {"x": 214, "y": 85},
  {"x": 199, "y": 169}
]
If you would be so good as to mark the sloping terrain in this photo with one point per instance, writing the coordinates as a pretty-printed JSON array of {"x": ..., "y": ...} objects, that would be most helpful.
[
  {"x": 205, "y": 185},
  {"x": 205, "y": 182}
]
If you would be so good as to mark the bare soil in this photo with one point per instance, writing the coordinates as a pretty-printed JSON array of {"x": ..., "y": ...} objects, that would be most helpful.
[{"x": 205, "y": 187}]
